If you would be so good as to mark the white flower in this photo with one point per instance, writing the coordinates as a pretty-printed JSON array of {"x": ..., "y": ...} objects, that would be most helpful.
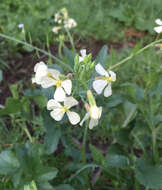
[
  {"x": 158, "y": 29},
  {"x": 56, "y": 29},
  {"x": 22, "y": 27},
  {"x": 50, "y": 77},
  {"x": 58, "y": 110},
  {"x": 83, "y": 55},
  {"x": 94, "y": 113},
  {"x": 104, "y": 81},
  {"x": 70, "y": 23}
]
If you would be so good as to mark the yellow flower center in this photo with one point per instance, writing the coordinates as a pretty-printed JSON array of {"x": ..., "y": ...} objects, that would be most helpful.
[
  {"x": 58, "y": 83},
  {"x": 109, "y": 79},
  {"x": 50, "y": 75},
  {"x": 64, "y": 109}
]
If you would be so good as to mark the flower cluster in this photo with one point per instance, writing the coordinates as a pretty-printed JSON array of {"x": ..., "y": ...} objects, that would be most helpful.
[
  {"x": 62, "y": 102},
  {"x": 63, "y": 21}
]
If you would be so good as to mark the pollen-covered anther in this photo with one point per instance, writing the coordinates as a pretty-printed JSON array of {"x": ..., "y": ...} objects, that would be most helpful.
[{"x": 58, "y": 83}]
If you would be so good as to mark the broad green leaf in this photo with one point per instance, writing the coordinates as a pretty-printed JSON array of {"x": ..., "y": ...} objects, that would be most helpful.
[
  {"x": 64, "y": 187},
  {"x": 53, "y": 133},
  {"x": 12, "y": 106},
  {"x": 70, "y": 56},
  {"x": 149, "y": 175},
  {"x": 14, "y": 91},
  {"x": 8, "y": 162},
  {"x": 102, "y": 55},
  {"x": 45, "y": 186},
  {"x": 97, "y": 155},
  {"x": 47, "y": 174},
  {"x": 117, "y": 161}
]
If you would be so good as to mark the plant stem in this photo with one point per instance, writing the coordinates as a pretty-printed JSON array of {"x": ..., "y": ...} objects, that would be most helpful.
[
  {"x": 71, "y": 39},
  {"x": 154, "y": 151},
  {"x": 134, "y": 54},
  {"x": 84, "y": 144},
  {"x": 37, "y": 49},
  {"x": 28, "y": 134}
]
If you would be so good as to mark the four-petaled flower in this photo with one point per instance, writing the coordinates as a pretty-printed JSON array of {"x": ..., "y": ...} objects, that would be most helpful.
[
  {"x": 93, "y": 112},
  {"x": 50, "y": 77},
  {"x": 158, "y": 29},
  {"x": 83, "y": 55},
  {"x": 104, "y": 81},
  {"x": 70, "y": 23},
  {"x": 59, "y": 110}
]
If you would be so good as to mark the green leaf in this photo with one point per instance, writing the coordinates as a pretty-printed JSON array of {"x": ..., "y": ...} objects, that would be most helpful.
[
  {"x": 47, "y": 174},
  {"x": 70, "y": 56},
  {"x": 53, "y": 134},
  {"x": 97, "y": 155},
  {"x": 1, "y": 75},
  {"x": 45, "y": 186},
  {"x": 8, "y": 162},
  {"x": 64, "y": 187},
  {"x": 148, "y": 175},
  {"x": 117, "y": 161},
  {"x": 14, "y": 91},
  {"x": 12, "y": 106},
  {"x": 102, "y": 55}
]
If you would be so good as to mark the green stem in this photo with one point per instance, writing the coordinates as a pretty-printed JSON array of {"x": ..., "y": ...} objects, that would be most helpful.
[
  {"x": 36, "y": 48},
  {"x": 134, "y": 54},
  {"x": 84, "y": 144},
  {"x": 71, "y": 39},
  {"x": 154, "y": 151},
  {"x": 28, "y": 134}
]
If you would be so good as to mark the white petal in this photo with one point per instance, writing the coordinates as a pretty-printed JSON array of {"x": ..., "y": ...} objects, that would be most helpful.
[
  {"x": 83, "y": 52},
  {"x": 158, "y": 29},
  {"x": 57, "y": 114},
  {"x": 70, "y": 102},
  {"x": 59, "y": 94},
  {"x": 47, "y": 82},
  {"x": 113, "y": 75},
  {"x": 67, "y": 85},
  {"x": 53, "y": 104},
  {"x": 158, "y": 21},
  {"x": 84, "y": 119},
  {"x": 55, "y": 73},
  {"x": 101, "y": 70},
  {"x": 38, "y": 65},
  {"x": 108, "y": 91},
  {"x": 99, "y": 85},
  {"x": 93, "y": 123},
  {"x": 74, "y": 118}
]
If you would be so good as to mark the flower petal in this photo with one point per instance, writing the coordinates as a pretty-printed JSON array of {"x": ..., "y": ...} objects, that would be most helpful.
[
  {"x": 53, "y": 104},
  {"x": 59, "y": 94},
  {"x": 158, "y": 21},
  {"x": 108, "y": 91},
  {"x": 70, "y": 102},
  {"x": 84, "y": 119},
  {"x": 113, "y": 75},
  {"x": 55, "y": 73},
  {"x": 101, "y": 70},
  {"x": 93, "y": 123},
  {"x": 40, "y": 64},
  {"x": 57, "y": 114},
  {"x": 158, "y": 29},
  {"x": 47, "y": 82},
  {"x": 67, "y": 85},
  {"x": 83, "y": 52},
  {"x": 74, "y": 118},
  {"x": 99, "y": 85}
]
